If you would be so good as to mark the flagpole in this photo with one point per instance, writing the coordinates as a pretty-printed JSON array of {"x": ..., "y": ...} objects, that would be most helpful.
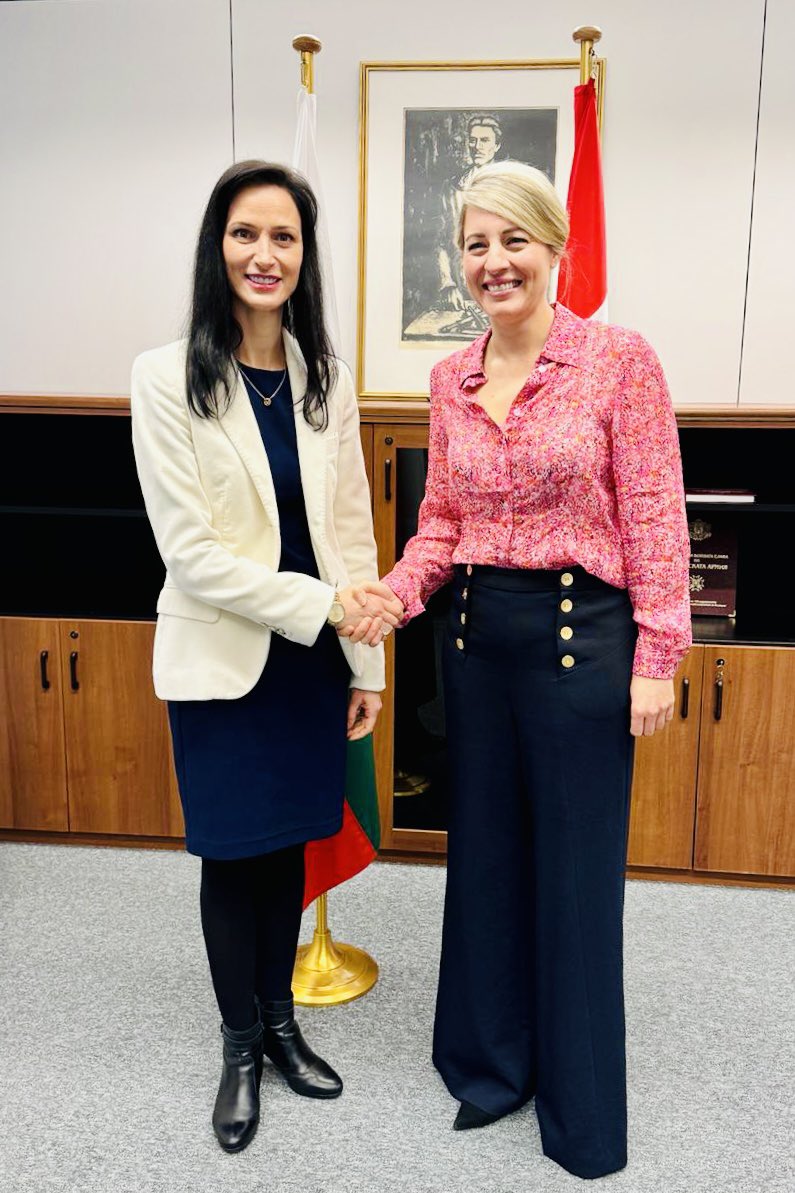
[
  {"x": 326, "y": 973},
  {"x": 583, "y": 275},
  {"x": 305, "y": 160},
  {"x": 587, "y": 36},
  {"x": 307, "y": 46}
]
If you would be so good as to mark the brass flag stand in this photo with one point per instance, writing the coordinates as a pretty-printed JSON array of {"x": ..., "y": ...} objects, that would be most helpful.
[{"x": 326, "y": 973}]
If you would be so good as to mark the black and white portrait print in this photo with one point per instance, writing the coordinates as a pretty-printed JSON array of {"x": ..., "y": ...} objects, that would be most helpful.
[{"x": 443, "y": 148}]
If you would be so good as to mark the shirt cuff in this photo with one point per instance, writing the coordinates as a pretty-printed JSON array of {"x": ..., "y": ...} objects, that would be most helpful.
[
  {"x": 412, "y": 605},
  {"x": 655, "y": 661}
]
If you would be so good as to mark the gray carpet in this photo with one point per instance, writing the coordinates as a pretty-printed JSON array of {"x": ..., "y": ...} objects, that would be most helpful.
[{"x": 110, "y": 1049}]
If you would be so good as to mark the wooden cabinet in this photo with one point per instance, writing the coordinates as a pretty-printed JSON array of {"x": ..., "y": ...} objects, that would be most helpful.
[
  {"x": 715, "y": 793},
  {"x": 366, "y": 434},
  {"x": 745, "y": 820},
  {"x": 410, "y": 745},
  {"x": 120, "y": 775},
  {"x": 664, "y": 781},
  {"x": 84, "y": 745},
  {"x": 32, "y": 751},
  {"x": 710, "y": 797}
]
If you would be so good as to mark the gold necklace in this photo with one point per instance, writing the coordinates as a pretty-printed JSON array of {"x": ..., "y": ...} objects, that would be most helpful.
[{"x": 266, "y": 398}]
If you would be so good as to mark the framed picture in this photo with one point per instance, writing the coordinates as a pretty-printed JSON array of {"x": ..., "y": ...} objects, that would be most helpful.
[{"x": 425, "y": 127}]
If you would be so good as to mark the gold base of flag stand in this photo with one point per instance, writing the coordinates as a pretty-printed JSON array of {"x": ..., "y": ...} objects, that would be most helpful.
[{"x": 327, "y": 973}]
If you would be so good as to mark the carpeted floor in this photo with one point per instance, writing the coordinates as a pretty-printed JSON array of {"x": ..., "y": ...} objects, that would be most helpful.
[{"x": 110, "y": 1049}]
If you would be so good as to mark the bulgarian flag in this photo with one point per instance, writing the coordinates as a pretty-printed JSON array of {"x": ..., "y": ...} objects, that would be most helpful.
[
  {"x": 305, "y": 160},
  {"x": 582, "y": 284},
  {"x": 336, "y": 859}
]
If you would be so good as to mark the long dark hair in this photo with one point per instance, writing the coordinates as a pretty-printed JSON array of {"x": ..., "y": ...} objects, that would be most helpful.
[{"x": 214, "y": 332}]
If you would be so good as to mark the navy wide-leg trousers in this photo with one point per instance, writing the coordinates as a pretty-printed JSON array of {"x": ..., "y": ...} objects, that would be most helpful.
[{"x": 537, "y": 668}]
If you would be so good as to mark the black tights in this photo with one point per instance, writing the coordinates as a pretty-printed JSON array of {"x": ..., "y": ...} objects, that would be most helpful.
[{"x": 251, "y": 917}]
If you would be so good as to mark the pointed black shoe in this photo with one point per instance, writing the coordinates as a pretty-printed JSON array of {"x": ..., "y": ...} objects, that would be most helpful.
[
  {"x": 470, "y": 1116},
  {"x": 282, "y": 1043},
  {"x": 236, "y": 1113}
]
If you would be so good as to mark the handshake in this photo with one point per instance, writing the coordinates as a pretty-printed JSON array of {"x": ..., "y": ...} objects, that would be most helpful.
[{"x": 371, "y": 612}]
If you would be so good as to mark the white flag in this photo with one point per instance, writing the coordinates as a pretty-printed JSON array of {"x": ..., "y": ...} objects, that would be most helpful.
[{"x": 305, "y": 161}]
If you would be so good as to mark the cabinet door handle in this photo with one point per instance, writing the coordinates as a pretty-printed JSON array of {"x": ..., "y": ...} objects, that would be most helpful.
[
  {"x": 73, "y": 671},
  {"x": 685, "y": 708},
  {"x": 45, "y": 683},
  {"x": 387, "y": 480},
  {"x": 718, "y": 699}
]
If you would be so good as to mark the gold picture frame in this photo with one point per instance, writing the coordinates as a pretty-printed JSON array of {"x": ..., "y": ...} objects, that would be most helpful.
[{"x": 414, "y": 118}]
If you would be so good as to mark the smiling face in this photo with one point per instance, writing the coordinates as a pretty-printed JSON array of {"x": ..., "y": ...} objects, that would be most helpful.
[
  {"x": 506, "y": 271},
  {"x": 262, "y": 248}
]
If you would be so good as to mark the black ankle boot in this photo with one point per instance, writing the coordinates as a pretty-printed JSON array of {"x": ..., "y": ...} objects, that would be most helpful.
[
  {"x": 236, "y": 1113},
  {"x": 470, "y": 1116},
  {"x": 283, "y": 1043}
]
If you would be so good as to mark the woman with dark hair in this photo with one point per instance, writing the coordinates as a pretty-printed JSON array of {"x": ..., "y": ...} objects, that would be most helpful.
[{"x": 246, "y": 439}]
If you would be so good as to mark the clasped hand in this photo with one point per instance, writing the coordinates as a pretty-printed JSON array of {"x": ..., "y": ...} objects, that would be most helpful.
[{"x": 371, "y": 612}]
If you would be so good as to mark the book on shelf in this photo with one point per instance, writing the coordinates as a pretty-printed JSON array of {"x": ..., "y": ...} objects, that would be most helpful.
[
  {"x": 713, "y": 566},
  {"x": 719, "y": 496}
]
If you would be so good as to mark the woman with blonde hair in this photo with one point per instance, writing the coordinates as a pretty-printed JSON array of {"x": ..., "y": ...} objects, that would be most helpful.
[{"x": 554, "y": 504}]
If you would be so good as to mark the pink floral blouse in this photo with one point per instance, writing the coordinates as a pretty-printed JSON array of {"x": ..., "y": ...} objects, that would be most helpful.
[{"x": 586, "y": 470}]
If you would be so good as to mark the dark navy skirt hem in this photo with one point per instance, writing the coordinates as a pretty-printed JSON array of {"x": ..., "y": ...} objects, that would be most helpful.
[{"x": 233, "y": 850}]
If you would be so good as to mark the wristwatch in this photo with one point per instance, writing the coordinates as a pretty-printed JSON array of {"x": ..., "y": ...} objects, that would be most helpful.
[{"x": 336, "y": 614}]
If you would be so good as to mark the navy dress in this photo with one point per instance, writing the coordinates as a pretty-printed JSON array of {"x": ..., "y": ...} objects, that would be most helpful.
[{"x": 267, "y": 770}]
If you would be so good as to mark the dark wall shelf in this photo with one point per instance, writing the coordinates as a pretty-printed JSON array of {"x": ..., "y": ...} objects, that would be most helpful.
[
  {"x": 759, "y": 459},
  {"x": 73, "y": 520},
  {"x": 60, "y": 460},
  {"x": 714, "y": 631},
  {"x": 74, "y": 524}
]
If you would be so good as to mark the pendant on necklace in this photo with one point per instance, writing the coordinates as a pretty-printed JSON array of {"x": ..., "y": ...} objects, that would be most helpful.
[{"x": 266, "y": 398}]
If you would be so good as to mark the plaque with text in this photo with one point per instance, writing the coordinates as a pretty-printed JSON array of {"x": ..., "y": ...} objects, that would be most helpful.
[{"x": 713, "y": 567}]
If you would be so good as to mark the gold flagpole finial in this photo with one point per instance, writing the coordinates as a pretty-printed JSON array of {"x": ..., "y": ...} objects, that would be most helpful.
[
  {"x": 587, "y": 36},
  {"x": 307, "y": 46}
]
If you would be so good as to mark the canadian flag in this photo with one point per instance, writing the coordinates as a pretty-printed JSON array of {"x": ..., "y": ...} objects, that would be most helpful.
[{"x": 582, "y": 284}]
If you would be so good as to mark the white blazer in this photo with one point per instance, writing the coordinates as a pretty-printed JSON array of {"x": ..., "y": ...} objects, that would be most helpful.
[{"x": 209, "y": 495}]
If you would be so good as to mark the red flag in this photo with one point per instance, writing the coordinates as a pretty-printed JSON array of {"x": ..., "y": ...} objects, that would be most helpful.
[{"x": 582, "y": 283}]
